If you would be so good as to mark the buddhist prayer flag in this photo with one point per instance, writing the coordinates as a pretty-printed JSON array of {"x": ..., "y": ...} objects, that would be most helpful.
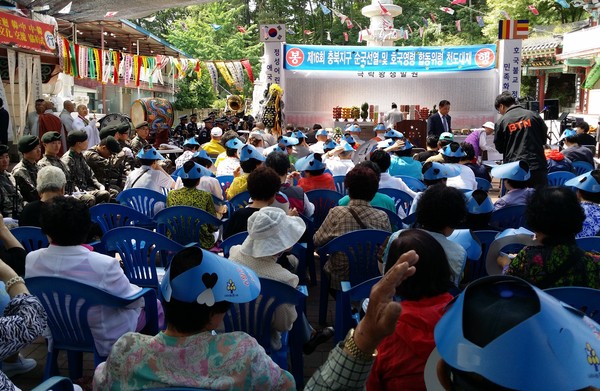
[
  {"x": 513, "y": 29},
  {"x": 454, "y": 2},
  {"x": 425, "y": 22},
  {"x": 433, "y": 17},
  {"x": 533, "y": 9},
  {"x": 325, "y": 10},
  {"x": 345, "y": 36},
  {"x": 457, "y": 23},
  {"x": 384, "y": 10},
  {"x": 241, "y": 29},
  {"x": 349, "y": 23},
  {"x": 447, "y": 10},
  {"x": 480, "y": 21}
]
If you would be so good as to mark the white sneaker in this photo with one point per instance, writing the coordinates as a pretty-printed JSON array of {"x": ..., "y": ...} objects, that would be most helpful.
[{"x": 22, "y": 365}]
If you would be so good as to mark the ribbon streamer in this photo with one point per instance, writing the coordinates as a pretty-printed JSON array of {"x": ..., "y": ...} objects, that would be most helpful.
[
  {"x": 224, "y": 72},
  {"x": 248, "y": 68},
  {"x": 212, "y": 71}
]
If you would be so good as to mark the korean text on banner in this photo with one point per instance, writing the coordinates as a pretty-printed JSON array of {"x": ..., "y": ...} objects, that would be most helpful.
[
  {"x": 390, "y": 59},
  {"x": 26, "y": 33}
]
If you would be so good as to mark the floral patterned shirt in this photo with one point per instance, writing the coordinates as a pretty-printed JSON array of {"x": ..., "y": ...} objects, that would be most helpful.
[
  {"x": 198, "y": 199},
  {"x": 229, "y": 361},
  {"x": 554, "y": 266},
  {"x": 591, "y": 225}
]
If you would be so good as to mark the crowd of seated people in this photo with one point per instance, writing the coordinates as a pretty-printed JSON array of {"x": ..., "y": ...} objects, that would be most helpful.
[{"x": 422, "y": 262}]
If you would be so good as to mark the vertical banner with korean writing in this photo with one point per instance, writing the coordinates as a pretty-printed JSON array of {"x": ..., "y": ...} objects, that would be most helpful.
[
  {"x": 509, "y": 66},
  {"x": 12, "y": 65},
  {"x": 24, "y": 99},
  {"x": 37, "y": 78}
]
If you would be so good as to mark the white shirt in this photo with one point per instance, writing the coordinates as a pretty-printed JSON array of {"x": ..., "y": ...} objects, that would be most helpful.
[
  {"x": 67, "y": 120},
  {"x": 90, "y": 129},
  {"x": 227, "y": 166},
  {"x": 148, "y": 179},
  {"x": 78, "y": 263},
  {"x": 317, "y": 147},
  {"x": 466, "y": 179},
  {"x": 392, "y": 117},
  {"x": 339, "y": 166},
  {"x": 390, "y": 182}
]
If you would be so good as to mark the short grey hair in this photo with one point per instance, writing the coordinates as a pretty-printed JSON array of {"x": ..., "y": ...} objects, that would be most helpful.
[{"x": 50, "y": 178}]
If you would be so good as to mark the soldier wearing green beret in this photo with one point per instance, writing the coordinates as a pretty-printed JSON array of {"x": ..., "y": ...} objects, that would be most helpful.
[
  {"x": 99, "y": 158},
  {"x": 25, "y": 172},
  {"x": 11, "y": 202}
]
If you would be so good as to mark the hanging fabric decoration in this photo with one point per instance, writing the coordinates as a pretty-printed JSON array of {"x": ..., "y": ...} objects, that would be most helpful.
[
  {"x": 447, "y": 10},
  {"x": 239, "y": 68},
  {"x": 128, "y": 68},
  {"x": 349, "y": 23},
  {"x": 533, "y": 9},
  {"x": 198, "y": 70},
  {"x": 290, "y": 31},
  {"x": 387, "y": 25},
  {"x": 457, "y": 23},
  {"x": 405, "y": 34},
  {"x": 360, "y": 38},
  {"x": 99, "y": 64},
  {"x": 420, "y": 31},
  {"x": 480, "y": 21},
  {"x": 237, "y": 81},
  {"x": 307, "y": 32},
  {"x": 224, "y": 72},
  {"x": 116, "y": 64},
  {"x": 425, "y": 22},
  {"x": 92, "y": 63},
  {"x": 216, "y": 27},
  {"x": 409, "y": 28},
  {"x": 384, "y": 10},
  {"x": 212, "y": 71},
  {"x": 248, "y": 68},
  {"x": 106, "y": 59},
  {"x": 178, "y": 67},
  {"x": 328, "y": 35},
  {"x": 241, "y": 29},
  {"x": 455, "y": 2},
  {"x": 563, "y": 3},
  {"x": 150, "y": 69},
  {"x": 73, "y": 50},
  {"x": 137, "y": 64},
  {"x": 326, "y": 11},
  {"x": 433, "y": 17},
  {"x": 345, "y": 36}
]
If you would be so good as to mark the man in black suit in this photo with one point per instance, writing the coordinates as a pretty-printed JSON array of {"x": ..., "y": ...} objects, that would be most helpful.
[{"x": 440, "y": 122}]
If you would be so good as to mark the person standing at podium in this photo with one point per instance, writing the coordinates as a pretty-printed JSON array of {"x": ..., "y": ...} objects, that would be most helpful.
[
  {"x": 440, "y": 122},
  {"x": 393, "y": 116}
]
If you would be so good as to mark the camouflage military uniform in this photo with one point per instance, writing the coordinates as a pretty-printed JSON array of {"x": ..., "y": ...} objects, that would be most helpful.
[
  {"x": 104, "y": 170},
  {"x": 11, "y": 202},
  {"x": 25, "y": 174},
  {"x": 82, "y": 176},
  {"x": 55, "y": 161},
  {"x": 124, "y": 162}
]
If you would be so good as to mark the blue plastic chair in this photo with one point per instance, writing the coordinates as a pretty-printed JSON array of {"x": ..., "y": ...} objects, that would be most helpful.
[
  {"x": 395, "y": 220},
  {"x": 142, "y": 200},
  {"x": 339, "y": 184},
  {"x": 589, "y": 243},
  {"x": 581, "y": 167},
  {"x": 32, "y": 238},
  {"x": 410, "y": 219},
  {"x": 255, "y": 318},
  {"x": 239, "y": 201},
  {"x": 360, "y": 247},
  {"x": 55, "y": 383},
  {"x": 176, "y": 389},
  {"x": 558, "y": 178},
  {"x": 586, "y": 300},
  {"x": 182, "y": 223},
  {"x": 402, "y": 200},
  {"x": 225, "y": 182},
  {"x": 324, "y": 201},
  {"x": 509, "y": 217},
  {"x": 231, "y": 241},
  {"x": 475, "y": 268},
  {"x": 67, "y": 303},
  {"x": 110, "y": 216},
  {"x": 345, "y": 317},
  {"x": 483, "y": 184},
  {"x": 138, "y": 249},
  {"x": 413, "y": 183}
]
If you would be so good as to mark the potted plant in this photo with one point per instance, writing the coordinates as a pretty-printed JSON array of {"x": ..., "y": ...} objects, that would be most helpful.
[{"x": 364, "y": 111}]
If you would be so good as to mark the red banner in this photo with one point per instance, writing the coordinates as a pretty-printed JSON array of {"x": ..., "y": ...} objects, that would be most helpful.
[{"x": 26, "y": 33}]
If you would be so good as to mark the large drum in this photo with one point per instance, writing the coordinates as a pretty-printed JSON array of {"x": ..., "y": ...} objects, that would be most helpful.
[{"x": 156, "y": 111}]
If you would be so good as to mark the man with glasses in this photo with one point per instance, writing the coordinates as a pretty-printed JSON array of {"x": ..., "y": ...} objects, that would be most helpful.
[{"x": 521, "y": 135}]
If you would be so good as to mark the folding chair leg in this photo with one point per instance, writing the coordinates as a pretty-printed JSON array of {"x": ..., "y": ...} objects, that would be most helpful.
[
  {"x": 75, "y": 360},
  {"x": 324, "y": 298}
]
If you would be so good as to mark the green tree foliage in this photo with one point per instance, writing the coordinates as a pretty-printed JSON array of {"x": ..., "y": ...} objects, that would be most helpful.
[{"x": 194, "y": 93}]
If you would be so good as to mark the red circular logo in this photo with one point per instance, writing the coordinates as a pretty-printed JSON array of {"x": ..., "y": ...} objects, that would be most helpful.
[
  {"x": 272, "y": 32},
  {"x": 485, "y": 58},
  {"x": 295, "y": 57}
]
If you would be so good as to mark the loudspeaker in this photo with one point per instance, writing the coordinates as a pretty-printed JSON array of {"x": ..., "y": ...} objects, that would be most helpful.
[{"x": 551, "y": 109}]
